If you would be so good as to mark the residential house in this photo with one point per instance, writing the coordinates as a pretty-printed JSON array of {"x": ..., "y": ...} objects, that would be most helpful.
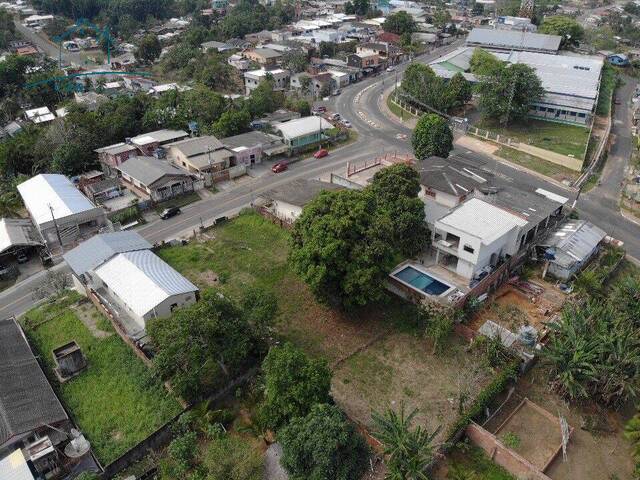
[
  {"x": 364, "y": 61},
  {"x": 149, "y": 143},
  {"x": 569, "y": 248},
  {"x": 248, "y": 148},
  {"x": 60, "y": 212},
  {"x": 341, "y": 79},
  {"x": 287, "y": 201},
  {"x": 112, "y": 156},
  {"x": 238, "y": 62},
  {"x": 215, "y": 46},
  {"x": 157, "y": 180},
  {"x": 303, "y": 132},
  {"x": 279, "y": 76},
  {"x": 138, "y": 83},
  {"x": 388, "y": 52},
  {"x": 121, "y": 270},
  {"x": 205, "y": 156},
  {"x": 513, "y": 41},
  {"x": 91, "y": 100},
  {"x": 323, "y": 84},
  {"x": 265, "y": 57},
  {"x": 279, "y": 116},
  {"x": 39, "y": 115},
  {"x": 30, "y": 408}
]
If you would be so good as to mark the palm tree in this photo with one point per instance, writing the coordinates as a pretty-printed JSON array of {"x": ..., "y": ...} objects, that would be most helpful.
[{"x": 409, "y": 451}]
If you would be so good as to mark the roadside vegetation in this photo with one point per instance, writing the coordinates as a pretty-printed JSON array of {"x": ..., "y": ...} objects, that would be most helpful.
[
  {"x": 116, "y": 402},
  {"x": 608, "y": 85},
  {"x": 536, "y": 164}
]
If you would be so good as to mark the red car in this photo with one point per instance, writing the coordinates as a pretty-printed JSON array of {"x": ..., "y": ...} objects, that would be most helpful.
[
  {"x": 320, "y": 108},
  {"x": 323, "y": 152},
  {"x": 279, "y": 167}
]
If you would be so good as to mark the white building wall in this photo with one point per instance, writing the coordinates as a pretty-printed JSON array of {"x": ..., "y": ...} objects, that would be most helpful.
[
  {"x": 164, "y": 309},
  {"x": 286, "y": 211}
]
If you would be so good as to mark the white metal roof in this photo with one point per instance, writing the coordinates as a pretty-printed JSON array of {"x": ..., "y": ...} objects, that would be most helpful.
[
  {"x": 142, "y": 280},
  {"x": 511, "y": 39},
  {"x": 482, "y": 220},
  {"x": 302, "y": 126},
  {"x": 14, "y": 467},
  {"x": 40, "y": 115},
  {"x": 159, "y": 136},
  {"x": 55, "y": 191}
]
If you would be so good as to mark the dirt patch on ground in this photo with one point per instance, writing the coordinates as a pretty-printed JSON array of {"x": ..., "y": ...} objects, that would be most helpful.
[
  {"x": 591, "y": 456},
  {"x": 538, "y": 435},
  {"x": 511, "y": 308},
  {"x": 400, "y": 369},
  {"x": 208, "y": 278},
  {"x": 91, "y": 318}
]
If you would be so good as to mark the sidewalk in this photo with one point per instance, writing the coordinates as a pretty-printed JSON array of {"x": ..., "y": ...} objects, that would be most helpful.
[{"x": 384, "y": 108}]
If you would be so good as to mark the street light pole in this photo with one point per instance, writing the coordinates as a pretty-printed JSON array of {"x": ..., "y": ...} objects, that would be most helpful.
[{"x": 55, "y": 223}]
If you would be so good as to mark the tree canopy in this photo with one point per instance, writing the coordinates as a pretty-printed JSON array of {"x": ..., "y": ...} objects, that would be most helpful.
[
  {"x": 399, "y": 23},
  {"x": 568, "y": 28},
  {"x": 202, "y": 345},
  {"x": 149, "y": 49},
  {"x": 423, "y": 85},
  {"x": 432, "y": 137},
  {"x": 323, "y": 445},
  {"x": 484, "y": 63},
  {"x": 293, "y": 383},
  {"x": 507, "y": 93}
]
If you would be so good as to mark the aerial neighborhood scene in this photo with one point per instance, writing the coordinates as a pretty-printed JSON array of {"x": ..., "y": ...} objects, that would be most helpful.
[{"x": 320, "y": 240}]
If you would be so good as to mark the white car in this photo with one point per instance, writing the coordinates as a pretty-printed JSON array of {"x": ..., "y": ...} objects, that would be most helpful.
[
  {"x": 346, "y": 123},
  {"x": 391, "y": 69}
]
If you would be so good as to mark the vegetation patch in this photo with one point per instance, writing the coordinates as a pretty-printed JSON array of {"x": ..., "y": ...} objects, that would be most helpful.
[
  {"x": 180, "y": 201},
  {"x": 116, "y": 401},
  {"x": 608, "y": 85},
  {"x": 468, "y": 462},
  {"x": 556, "y": 137},
  {"x": 536, "y": 164}
]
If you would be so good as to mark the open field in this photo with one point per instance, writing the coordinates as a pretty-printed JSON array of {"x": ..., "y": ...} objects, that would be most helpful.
[
  {"x": 115, "y": 401},
  {"x": 556, "y": 137},
  {"x": 379, "y": 355},
  {"x": 536, "y": 164}
]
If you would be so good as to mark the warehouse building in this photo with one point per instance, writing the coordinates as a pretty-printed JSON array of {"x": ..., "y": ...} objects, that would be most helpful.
[
  {"x": 60, "y": 212},
  {"x": 513, "y": 41}
]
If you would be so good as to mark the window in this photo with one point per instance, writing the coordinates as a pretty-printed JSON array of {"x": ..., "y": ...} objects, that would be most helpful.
[
  {"x": 573, "y": 114},
  {"x": 468, "y": 249},
  {"x": 542, "y": 109},
  {"x": 174, "y": 306},
  {"x": 582, "y": 115}
]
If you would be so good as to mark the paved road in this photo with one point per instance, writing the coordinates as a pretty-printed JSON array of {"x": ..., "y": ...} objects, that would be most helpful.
[{"x": 48, "y": 48}]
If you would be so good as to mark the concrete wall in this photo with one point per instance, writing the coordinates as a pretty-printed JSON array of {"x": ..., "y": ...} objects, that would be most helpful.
[
  {"x": 285, "y": 211},
  {"x": 508, "y": 459},
  {"x": 165, "y": 308}
]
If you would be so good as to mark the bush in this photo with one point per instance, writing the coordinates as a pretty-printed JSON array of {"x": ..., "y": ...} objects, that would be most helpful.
[
  {"x": 323, "y": 445},
  {"x": 231, "y": 458}
]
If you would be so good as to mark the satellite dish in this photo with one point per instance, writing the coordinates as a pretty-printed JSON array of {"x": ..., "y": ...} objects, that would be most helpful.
[{"x": 78, "y": 446}]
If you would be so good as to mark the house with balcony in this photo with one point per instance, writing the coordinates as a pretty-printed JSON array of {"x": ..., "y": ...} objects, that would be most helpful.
[{"x": 205, "y": 156}]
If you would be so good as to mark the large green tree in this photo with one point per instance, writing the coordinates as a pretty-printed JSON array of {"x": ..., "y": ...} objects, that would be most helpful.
[
  {"x": 506, "y": 94},
  {"x": 201, "y": 346},
  {"x": 483, "y": 63},
  {"x": 568, "y": 28},
  {"x": 423, "y": 85},
  {"x": 323, "y": 445},
  {"x": 149, "y": 49},
  {"x": 408, "y": 449},
  {"x": 432, "y": 137},
  {"x": 341, "y": 249},
  {"x": 293, "y": 383},
  {"x": 395, "y": 190},
  {"x": 399, "y": 23}
]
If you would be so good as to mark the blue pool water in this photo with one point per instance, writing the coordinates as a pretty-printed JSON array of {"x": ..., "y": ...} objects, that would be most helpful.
[{"x": 422, "y": 281}]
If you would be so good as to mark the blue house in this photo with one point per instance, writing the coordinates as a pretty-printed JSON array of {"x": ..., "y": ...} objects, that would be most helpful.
[{"x": 619, "y": 59}]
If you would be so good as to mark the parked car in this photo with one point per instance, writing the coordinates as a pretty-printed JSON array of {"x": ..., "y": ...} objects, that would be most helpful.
[
  {"x": 279, "y": 167},
  {"x": 323, "y": 152},
  {"x": 4, "y": 271},
  {"x": 391, "y": 68},
  {"x": 320, "y": 108},
  {"x": 334, "y": 116},
  {"x": 346, "y": 123},
  {"x": 21, "y": 256},
  {"x": 169, "y": 212}
]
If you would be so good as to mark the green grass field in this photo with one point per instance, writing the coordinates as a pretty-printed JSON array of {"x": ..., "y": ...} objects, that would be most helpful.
[
  {"x": 472, "y": 463},
  {"x": 537, "y": 164},
  {"x": 115, "y": 401},
  {"x": 556, "y": 137}
]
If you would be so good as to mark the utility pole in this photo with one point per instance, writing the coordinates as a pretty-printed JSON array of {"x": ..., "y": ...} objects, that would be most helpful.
[{"x": 56, "y": 225}]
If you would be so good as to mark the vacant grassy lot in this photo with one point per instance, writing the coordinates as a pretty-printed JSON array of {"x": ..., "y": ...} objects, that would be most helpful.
[
  {"x": 471, "y": 463},
  {"x": 557, "y": 137},
  {"x": 536, "y": 164},
  {"x": 378, "y": 355},
  {"x": 115, "y": 401}
]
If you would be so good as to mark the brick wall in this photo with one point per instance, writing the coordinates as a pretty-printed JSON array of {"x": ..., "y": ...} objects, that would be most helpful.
[{"x": 508, "y": 459}]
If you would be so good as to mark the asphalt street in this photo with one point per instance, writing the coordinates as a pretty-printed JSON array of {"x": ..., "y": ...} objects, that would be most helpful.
[{"x": 377, "y": 135}]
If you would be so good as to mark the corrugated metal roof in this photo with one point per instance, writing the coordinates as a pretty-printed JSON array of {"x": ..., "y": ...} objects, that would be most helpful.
[
  {"x": 142, "y": 280},
  {"x": 148, "y": 170},
  {"x": 27, "y": 400},
  {"x": 514, "y": 39},
  {"x": 197, "y": 146},
  {"x": 159, "y": 136},
  {"x": 17, "y": 232},
  {"x": 574, "y": 241},
  {"x": 98, "y": 249},
  {"x": 302, "y": 126},
  {"x": 481, "y": 220},
  {"x": 57, "y": 191}
]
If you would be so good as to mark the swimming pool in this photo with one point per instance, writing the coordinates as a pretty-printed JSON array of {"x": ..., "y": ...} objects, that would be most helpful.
[{"x": 421, "y": 281}]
